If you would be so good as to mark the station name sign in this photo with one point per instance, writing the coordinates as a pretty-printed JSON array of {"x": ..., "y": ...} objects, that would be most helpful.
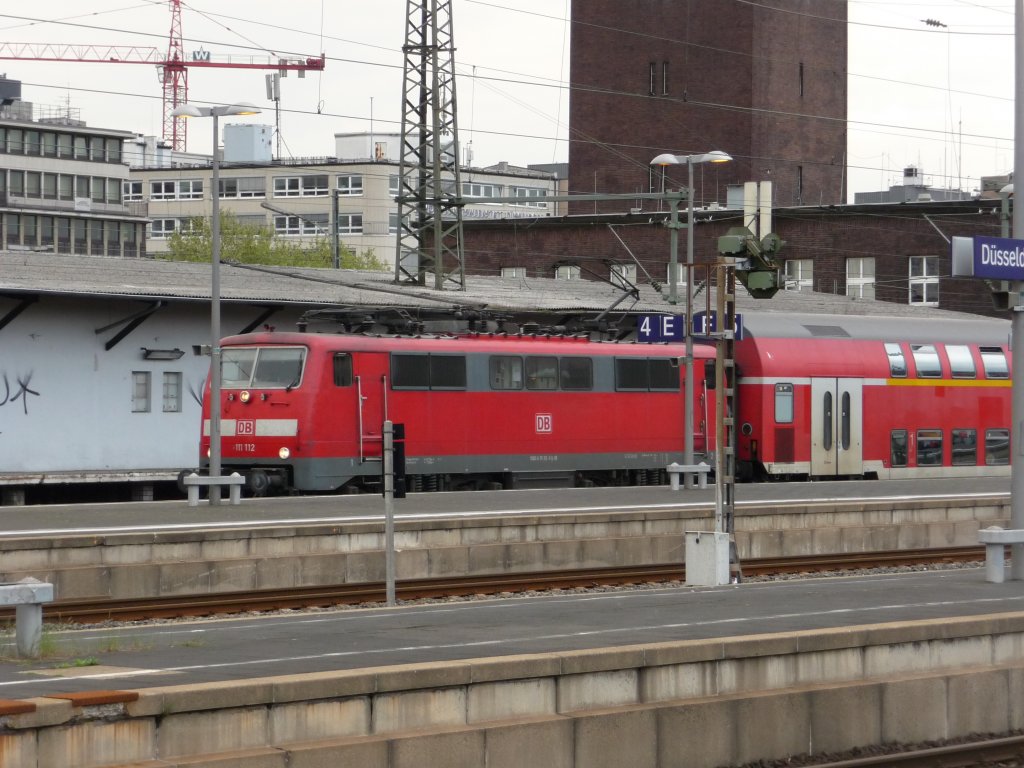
[
  {"x": 665, "y": 328},
  {"x": 995, "y": 258}
]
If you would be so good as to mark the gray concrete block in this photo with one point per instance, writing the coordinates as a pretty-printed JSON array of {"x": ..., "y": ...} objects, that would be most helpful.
[
  {"x": 122, "y": 741},
  {"x": 511, "y": 699},
  {"x": 418, "y": 710},
  {"x": 349, "y": 753},
  {"x": 459, "y": 749},
  {"x": 773, "y": 726},
  {"x": 846, "y": 717},
  {"x": 697, "y": 734},
  {"x": 617, "y": 738},
  {"x": 449, "y": 561},
  {"x": 127, "y": 581},
  {"x": 914, "y": 710},
  {"x": 979, "y": 702},
  {"x": 316, "y": 720},
  {"x": 1015, "y": 688},
  {"x": 199, "y": 733},
  {"x": 541, "y": 743}
]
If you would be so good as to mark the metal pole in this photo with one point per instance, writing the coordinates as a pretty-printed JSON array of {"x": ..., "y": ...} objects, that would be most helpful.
[
  {"x": 335, "y": 255},
  {"x": 1017, "y": 324},
  {"x": 215, "y": 371},
  {"x": 673, "y": 253},
  {"x": 389, "y": 512},
  {"x": 688, "y": 400}
]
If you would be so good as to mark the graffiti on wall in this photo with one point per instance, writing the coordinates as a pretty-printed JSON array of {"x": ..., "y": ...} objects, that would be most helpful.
[{"x": 11, "y": 394}]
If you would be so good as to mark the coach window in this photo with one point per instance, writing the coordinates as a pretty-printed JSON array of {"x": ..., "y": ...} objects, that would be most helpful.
[
  {"x": 994, "y": 362},
  {"x": 342, "y": 369},
  {"x": 447, "y": 371},
  {"x": 961, "y": 364},
  {"x": 926, "y": 360},
  {"x": 897, "y": 362},
  {"x": 577, "y": 373},
  {"x": 898, "y": 447},
  {"x": 997, "y": 446},
  {"x": 964, "y": 445},
  {"x": 783, "y": 403},
  {"x": 929, "y": 447},
  {"x": 541, "y": 372},
  {"x": 506, "y": 372}
]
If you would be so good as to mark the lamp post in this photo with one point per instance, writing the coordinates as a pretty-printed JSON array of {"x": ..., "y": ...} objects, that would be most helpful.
[
  {"x": 230, "y": 110},
  {"x": 715, "y": 156}
]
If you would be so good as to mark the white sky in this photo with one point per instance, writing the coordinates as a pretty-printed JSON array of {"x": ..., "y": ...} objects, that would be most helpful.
[{"x": 938, "y": 98}]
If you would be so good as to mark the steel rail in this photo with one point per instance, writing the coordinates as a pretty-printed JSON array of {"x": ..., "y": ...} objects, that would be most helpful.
[{"x": 959, "y": 755}]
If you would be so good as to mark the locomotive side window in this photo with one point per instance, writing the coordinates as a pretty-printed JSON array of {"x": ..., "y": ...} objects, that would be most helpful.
[
  {"x": 997, "y": 446},
  {"x": 576, "y": 372},
  {"x": 664, "y": 375},
  {"x": 541, "y": 372},
  {"x": 929, "y": 447},
  {"x": 506, "y": 372},
  {"x": 926, "y": 360},
  {"x": 783, "y": 403},
  {"x": 898, "y": 447},
  {"x": 342, "y": 369},
  {"x": 428, "y": 371},
  {"x": 961, "y": 364},
  {"x": 278, "y": 367},
  {"x": 897, "y": 362},
  {"x": 994, "y": 362},
  {"x": 447, "y": 371},
  {"x": 965, "y": 447},
  {"x": 237, "y": 364}
]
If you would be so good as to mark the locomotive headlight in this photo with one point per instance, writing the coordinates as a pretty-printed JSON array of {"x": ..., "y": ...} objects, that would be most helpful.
[
  {"x": 207, "y": 453},
  {"x": 245, "y": 396},
  {"x": 284, "y": 453}
]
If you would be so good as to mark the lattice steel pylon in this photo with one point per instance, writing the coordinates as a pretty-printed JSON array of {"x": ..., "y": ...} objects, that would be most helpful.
[{"x": 430, "y": 188}]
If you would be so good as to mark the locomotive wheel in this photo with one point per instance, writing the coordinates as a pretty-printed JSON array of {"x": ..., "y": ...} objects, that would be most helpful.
[
  {"x": 258, "y": 482},
  {"x": 181, "y": 478}
]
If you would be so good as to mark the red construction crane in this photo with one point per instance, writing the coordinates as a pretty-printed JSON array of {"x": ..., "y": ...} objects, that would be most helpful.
[{"x": 172, "y": 67}]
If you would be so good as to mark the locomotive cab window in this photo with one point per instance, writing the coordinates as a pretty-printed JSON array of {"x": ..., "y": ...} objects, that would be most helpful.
[
  {"x": 997, "y": 447},
  {"x": 961, "y": 364},
  {"x": 506, "y": 372},
  {"x": 265, "y": 367},
  {"x": 237, "y": 364},
  {"x": 994, "y": 362},
  {"x": 342, "y": 369},
  {"x": 926, "y": 360},
  {"x": 897, "y": 362},
  {"x": 783, "y": 403}
]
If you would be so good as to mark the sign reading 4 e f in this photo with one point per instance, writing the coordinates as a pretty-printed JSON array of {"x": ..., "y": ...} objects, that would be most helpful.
[{"x": 655, "y": 328}]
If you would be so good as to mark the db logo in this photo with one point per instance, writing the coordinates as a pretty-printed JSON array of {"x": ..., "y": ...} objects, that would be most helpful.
[
  {"x": 245, "y": 427},
  {"x": 544, "y": 422}
]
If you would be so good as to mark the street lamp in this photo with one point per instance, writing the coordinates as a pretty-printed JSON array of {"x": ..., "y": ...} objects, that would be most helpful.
[
  {"x": 230, "y": 110},
  {"x": 715, "y": 156}
]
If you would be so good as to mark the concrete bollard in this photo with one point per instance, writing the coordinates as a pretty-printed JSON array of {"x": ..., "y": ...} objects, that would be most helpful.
[{"x": 28, "y": 596}]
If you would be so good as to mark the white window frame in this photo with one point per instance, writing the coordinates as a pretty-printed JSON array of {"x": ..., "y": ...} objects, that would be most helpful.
[
  {"x": 860, "y": 282},
  {"x": 533, "y": 197},
  {"x": 131, "y": 191},
  {"x": 923, "y": 281},
  {"x": 142, "y": 389},
  {"x": 480, "y": 190},
  {"x": 350, "y": 223},
  {"x": 161, "y": 229},
  {"x": 798, "y": 274},
  {"x": 297, "y": 226},
  {"x": 312, "y": 185},
  {"x": 350, "y": 184},
  {"x": 513, "y": 272},
  {"x": 567, "y": 272},
  {"x": 240, "y": 193},
  {"x": 162, "y": 190},
  {"x": 172, "y": 392}
]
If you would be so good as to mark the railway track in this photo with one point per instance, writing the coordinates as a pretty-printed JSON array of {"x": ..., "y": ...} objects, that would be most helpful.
[
  {"x": 1005, "y": 751},
  {"x": 90, "y": 611}
]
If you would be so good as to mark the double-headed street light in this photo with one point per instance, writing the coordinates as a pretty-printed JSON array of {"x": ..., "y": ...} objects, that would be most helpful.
[
  {"x": 673, "y": 275},
  {"x": 230, "y": 110}
]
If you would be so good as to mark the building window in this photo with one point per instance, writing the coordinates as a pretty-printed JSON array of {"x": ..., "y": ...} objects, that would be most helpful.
[
  {"x": 393, "y": 185},
  {"x": 172, "y": 392},
  {"x": 513, "y": 271},
  {"x": 799, "y": 275},
  {"x": 161, "y": 190},
  {"x": 652, "y": 70},
  {"x": 132, "y": 191},
  {"x": 307, "y": 224},
  {"x": 160, "y": 229},
  {"x": 476, "y": 189},
  {"x": 350, "y": 185},
  {"x": 623, "y": 275},
  {"x": 664, "y": 78},
  {"x": 350, "y": 223},
  {"x": 532, "y": 196},
  {"x": 800, "y": 184},
  {"x": 243, "y": 187},
  {"x": 860, "y": 277},
  {"x": 251, "y": 220},
  {"x": 924, "y": 280},
  {"x": 567, "y": 272},
  {"x": 301, "y": 186},
  {"x": 141, "y": 384},
  {"x": 393, "y": 223}
]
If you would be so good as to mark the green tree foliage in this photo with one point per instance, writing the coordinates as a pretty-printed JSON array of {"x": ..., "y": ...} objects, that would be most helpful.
[{"x": 252, "y": 244}]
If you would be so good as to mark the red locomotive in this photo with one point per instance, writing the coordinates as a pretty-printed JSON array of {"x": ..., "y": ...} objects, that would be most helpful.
[
  {"x": 816, "y": 396},
  {"x": 305, "y": 410}
]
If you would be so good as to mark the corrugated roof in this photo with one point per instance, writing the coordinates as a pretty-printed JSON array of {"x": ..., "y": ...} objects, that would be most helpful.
[{"x": 43, "y": 273}]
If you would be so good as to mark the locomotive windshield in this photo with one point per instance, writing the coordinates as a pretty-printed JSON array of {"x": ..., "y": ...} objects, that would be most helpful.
[{"x": 265, "y": 367}]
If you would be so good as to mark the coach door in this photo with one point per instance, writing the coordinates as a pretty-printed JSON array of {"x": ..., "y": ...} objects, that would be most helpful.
[
  {"x": 371, "y": 372},
  {"x": 836, "y": 427}
]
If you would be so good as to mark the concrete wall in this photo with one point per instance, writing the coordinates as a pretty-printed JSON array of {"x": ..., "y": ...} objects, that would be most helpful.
[{"x": 694, "y": 703}]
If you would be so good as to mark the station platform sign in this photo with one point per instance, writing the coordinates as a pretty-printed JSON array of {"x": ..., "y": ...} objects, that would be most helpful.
[
  {"x": 666, "y": 328},
  {"x": 992, "y": 258}
]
